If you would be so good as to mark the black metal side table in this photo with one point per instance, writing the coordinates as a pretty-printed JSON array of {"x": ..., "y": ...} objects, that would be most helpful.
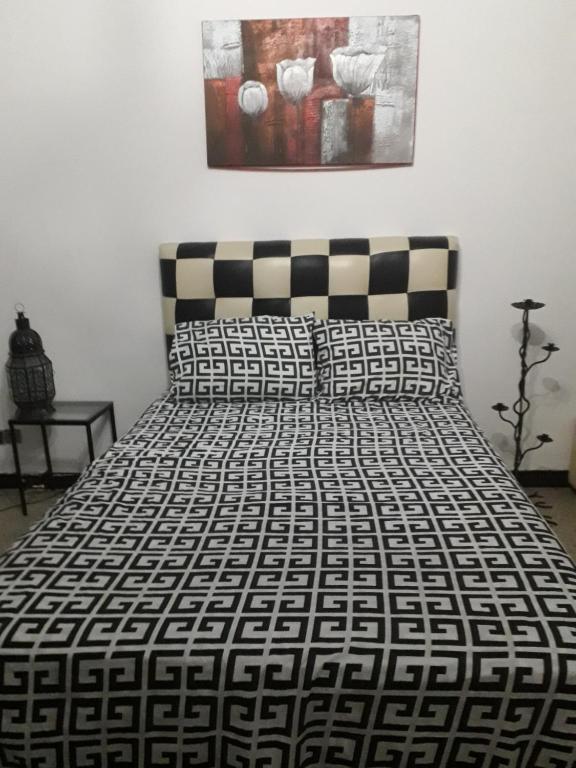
[{"x": 64, "y": 413}]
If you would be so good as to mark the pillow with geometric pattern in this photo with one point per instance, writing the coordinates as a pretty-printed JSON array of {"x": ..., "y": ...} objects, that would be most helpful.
[
  {"x": 246, "y": 359},
  {"x": 387, "y": 359}
]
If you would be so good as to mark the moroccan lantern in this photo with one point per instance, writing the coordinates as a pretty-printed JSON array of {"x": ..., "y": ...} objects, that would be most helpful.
[{"x": 30, "y": 374}]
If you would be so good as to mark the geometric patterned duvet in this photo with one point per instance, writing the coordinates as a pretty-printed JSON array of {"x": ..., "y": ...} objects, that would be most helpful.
[{"x": 281, "y": 585}]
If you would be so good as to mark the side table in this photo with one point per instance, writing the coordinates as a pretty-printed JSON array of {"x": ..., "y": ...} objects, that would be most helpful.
[{"x": 64, "y": 413}]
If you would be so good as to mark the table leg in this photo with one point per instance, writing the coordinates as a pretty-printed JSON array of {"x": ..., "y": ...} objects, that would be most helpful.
[
  {"x": 19, "y": 478},
  {"x": 113, "y": 423},
  {"x": 90, "y": 442},
  {"x": 49, "y": 472}
]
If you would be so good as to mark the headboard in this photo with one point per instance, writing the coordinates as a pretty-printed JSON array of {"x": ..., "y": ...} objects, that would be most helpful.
[{"x": 394, "y": 278}]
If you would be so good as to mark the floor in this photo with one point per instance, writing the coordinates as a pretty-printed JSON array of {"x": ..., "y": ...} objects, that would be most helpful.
[{"x": 13, "y": 524}]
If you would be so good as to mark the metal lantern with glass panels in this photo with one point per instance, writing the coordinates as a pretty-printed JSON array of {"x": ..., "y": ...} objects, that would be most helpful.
[{"x": 30, "y": 374}]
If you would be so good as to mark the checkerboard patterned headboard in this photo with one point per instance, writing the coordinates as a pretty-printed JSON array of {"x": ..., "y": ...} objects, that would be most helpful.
[{"x": 395, "y": 278}]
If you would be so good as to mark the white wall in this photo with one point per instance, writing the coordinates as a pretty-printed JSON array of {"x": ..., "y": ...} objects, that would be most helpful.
[{"x": 102, "y": 153}]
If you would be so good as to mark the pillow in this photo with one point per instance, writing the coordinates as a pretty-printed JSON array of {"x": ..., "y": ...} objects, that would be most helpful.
[
  {"x": 249, "y": 358},
  {"x": 387, "y": 358}
]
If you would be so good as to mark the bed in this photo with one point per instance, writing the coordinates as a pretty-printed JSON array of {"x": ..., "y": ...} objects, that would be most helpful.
[{"x": 287, "y": 583}]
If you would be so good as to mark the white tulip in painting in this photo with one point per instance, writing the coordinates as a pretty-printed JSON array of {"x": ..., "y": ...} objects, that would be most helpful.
[
  {"x": 295, "y": 78},
  {"x": 354, "y": 67},
  {"x": 253, "y": 98}
]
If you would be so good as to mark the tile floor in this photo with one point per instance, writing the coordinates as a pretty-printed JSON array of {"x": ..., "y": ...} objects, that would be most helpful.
[{"x": 12, "y": 522}]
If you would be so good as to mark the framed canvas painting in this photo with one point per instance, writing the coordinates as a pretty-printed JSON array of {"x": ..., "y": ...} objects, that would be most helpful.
[{"x": 310, "y": 93}]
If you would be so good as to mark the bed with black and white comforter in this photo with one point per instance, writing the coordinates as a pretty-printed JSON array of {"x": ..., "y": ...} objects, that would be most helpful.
[{"x": 290, "y": 584}]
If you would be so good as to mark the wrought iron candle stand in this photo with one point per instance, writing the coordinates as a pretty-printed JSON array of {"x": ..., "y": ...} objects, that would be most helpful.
[{"x": 522, "y": 405}]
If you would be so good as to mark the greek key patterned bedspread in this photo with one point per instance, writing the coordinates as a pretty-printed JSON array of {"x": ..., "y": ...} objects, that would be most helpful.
[{"x": 281, "y": 585}]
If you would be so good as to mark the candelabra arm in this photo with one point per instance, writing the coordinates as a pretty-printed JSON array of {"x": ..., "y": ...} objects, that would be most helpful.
[
  {"x": 539, "y": 362},
  {"x": 534, "y": 448},
  {"x": 508, "y": 421}
]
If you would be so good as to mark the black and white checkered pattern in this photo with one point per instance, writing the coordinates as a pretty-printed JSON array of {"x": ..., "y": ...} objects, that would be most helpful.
[
  {"x": 288, "y": 585},
  {"x": 387, "y": 358},
  {"x": 248, "y": 358},
  {"x": 393, "y": 278}
]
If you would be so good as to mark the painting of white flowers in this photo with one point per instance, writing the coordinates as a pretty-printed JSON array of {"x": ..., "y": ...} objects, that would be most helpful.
[{"x": 311, "y": 93}]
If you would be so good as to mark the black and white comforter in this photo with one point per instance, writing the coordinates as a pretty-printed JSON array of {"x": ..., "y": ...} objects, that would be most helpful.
[{"x": 286, "y": 585}]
